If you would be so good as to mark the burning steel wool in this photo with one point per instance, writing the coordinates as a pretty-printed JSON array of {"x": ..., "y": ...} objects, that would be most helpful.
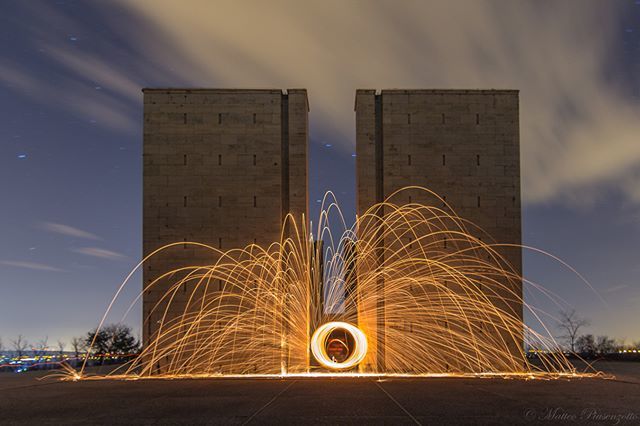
[
  {"x": 409, "y": 290},
  {"x": 355, "y": 355}
]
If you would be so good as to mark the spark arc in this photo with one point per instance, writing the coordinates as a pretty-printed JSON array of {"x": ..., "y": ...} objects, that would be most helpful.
[{"x": 410, "y": 289}]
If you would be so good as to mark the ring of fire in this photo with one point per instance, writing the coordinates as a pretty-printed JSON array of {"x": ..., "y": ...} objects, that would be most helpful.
[{"x": 319, "y": 347}]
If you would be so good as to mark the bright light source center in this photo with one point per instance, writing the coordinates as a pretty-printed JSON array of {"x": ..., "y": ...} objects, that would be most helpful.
[{"x": 319, "y": 345}]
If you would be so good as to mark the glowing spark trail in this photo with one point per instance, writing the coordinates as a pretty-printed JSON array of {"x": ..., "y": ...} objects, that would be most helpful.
[{"x": 452, "y": 306}]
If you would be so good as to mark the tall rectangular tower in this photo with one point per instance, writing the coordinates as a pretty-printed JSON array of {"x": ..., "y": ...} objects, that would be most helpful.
[
  {"x": 461, "y": 144},
  {"x": 222, "y": 167}
]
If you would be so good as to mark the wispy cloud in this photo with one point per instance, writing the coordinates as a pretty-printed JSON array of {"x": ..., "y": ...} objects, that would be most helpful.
[
  {"x": 30, "y": 265},
  {"x": 578, "y": 129},
  {"x": 80, "y": 99},
  {"x": 71, "y": 231},
  {"x": 99, "y": 253},
  {"x": 615, "y": 288}
]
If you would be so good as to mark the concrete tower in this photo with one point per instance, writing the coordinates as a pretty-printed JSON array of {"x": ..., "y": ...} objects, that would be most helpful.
[
  {"x": 461, "y": 144},
  {"x": 222, "y": 167}
]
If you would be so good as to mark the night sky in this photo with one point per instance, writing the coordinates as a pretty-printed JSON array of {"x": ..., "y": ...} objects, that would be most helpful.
[{"x": 71, "y": 128}]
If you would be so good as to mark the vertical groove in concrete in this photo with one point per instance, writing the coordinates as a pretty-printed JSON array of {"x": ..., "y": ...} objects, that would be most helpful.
[
  {"x": 379, "y": 155},
  {"x": 284, "y": 188},
  {"x": 284, "y": 124},
  {"x": 379, "y": 179}
]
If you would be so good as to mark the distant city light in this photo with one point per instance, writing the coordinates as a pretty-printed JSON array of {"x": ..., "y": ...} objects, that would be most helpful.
[{"x": 22, "y": 156}]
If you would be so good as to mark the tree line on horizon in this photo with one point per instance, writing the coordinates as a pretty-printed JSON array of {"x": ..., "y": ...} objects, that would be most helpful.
[
  {"x": 576, "y": 342},
  {"x": 112, "y": 339},
  {"x": 118, "y": 339}
]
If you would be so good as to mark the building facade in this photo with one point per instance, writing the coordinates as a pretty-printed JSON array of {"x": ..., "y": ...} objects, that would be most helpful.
[
  {"x": 461, "y": 144},
  {"x": 222, "y": 167}
]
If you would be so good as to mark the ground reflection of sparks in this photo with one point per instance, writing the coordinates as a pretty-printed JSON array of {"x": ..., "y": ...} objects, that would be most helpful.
[
  {"x": 380, "y": 377},
  {"x": 450, "y": 310}
]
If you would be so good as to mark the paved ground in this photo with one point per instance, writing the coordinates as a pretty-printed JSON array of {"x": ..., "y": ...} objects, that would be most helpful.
[{"x": 24, "y": 400}]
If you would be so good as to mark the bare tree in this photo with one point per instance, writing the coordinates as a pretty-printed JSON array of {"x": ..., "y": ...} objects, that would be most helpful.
[
  {"x": 41, "y": 347},
  {"x": 20, "y": 345},
  {"x": 61, "y": 346},
  {"x": 77, "y": 343},
  {"x": 570, "y": 324}
]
